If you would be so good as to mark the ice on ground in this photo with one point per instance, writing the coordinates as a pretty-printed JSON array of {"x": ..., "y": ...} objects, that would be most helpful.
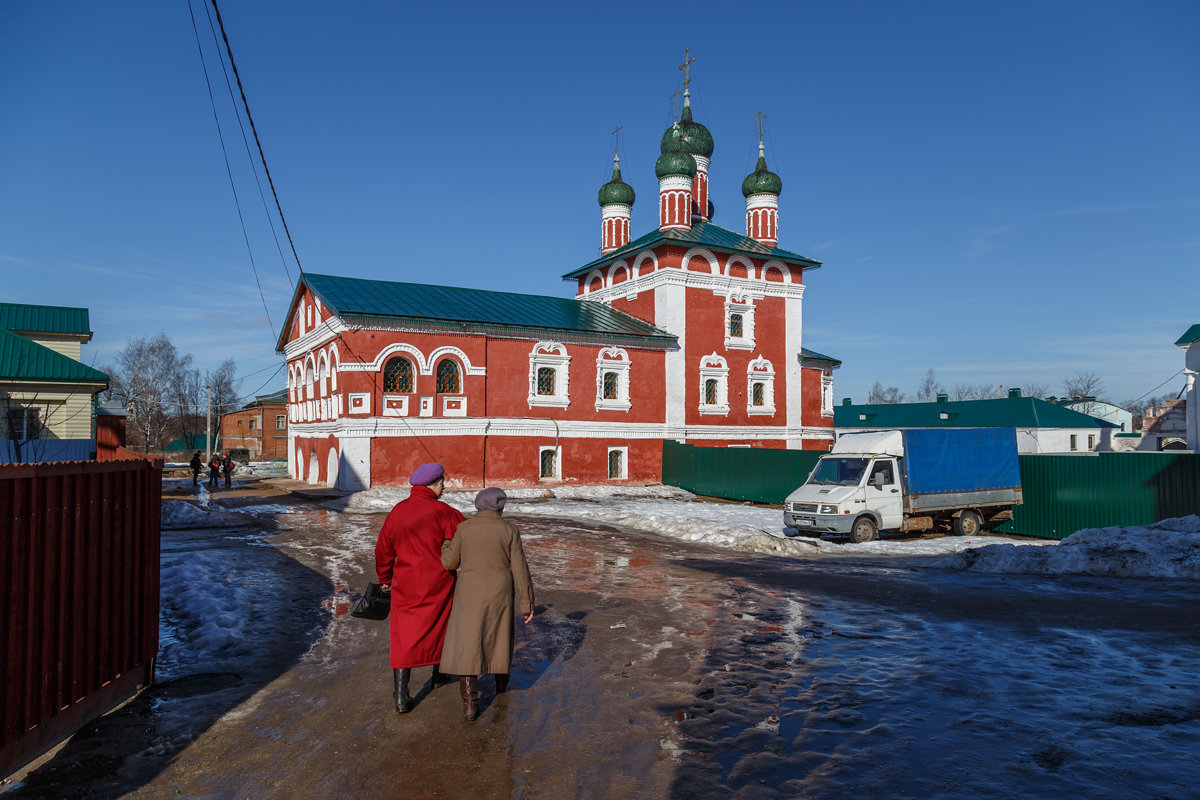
[
  {"x": 1166, "y": 549},
  {"x": 207, "y": 609},
  {"x": 179, "y": 514}
]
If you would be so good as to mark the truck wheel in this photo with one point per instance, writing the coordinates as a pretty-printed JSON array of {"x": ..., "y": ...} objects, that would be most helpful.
[
  {"x": 968, "y": 523},
  {"x": 864, "y": 530}
]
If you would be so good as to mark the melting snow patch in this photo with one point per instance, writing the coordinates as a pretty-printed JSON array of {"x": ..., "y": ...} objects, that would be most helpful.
[
  {"x": 179, "y": 514},
  {"x": 1167, "y": 549}
]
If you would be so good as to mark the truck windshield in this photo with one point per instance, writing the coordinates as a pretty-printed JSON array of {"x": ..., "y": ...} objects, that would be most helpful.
[{"x": 839, "y": 471}]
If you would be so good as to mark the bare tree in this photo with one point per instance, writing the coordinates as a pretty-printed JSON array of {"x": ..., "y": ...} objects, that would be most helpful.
[
  {"x": 1038, "y": 390},
  {"x": 880, "y": 395},
  {"x": 977, "y": 391},
  {"x": 1083, "y": 384},
  {"x": 929, "y": 389},
  {"x": 144, "y": 380}
]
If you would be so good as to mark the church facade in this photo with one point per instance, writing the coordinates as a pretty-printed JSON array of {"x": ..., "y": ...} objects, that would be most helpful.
[{"x": 691, "y": 332}]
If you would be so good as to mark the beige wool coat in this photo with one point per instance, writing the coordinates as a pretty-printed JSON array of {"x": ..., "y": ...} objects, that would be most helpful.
[{"x": 492, "y": 573}]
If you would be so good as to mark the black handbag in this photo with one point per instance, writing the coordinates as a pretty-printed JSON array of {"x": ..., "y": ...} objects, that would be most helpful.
[{"x": 374, "y": 604}]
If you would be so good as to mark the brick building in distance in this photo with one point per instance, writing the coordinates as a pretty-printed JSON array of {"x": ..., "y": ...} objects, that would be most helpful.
[
  {"x": 691, "y": 332},
  {"x": 260, "y": 428}
]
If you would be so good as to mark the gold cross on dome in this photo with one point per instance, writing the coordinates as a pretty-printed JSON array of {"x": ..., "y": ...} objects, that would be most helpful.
[
  {"x": 674, "y": 113},
  {"x": 617, "y": 133},
  {"x": 759, "y": 119},
  {"x": 685, "y": 67}
]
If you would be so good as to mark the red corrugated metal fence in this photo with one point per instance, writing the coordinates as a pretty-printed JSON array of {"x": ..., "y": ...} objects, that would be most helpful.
[{"x": 79, "y": 571}]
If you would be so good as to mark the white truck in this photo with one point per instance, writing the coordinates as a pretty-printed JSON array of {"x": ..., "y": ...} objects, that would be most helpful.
[{"x": 955, "y": 479}]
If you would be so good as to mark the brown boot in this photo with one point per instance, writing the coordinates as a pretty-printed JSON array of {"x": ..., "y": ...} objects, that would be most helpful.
[
  {"x": 468, "y": 687},
  {"x": 501, "y": 683}
]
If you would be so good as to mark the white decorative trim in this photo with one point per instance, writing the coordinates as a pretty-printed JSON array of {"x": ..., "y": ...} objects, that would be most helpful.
[
  {"x": 760, "y": 371},
  {"x": 735, "y": 304},
  {"x": 557, "y": 450},
  {"x": 641, "y": 258},
  {"x": 395, "y": 405},
  {"x": 426, "y": 408},
  {"x": 390, "y": 427},
  {"x": 335, "y": 361},
  {"x": 784, "y": 268},
  {"x": 826, "y": 394},
  {"x": 454, "y": 406},
  {"x": 764, "y": 200},
  {"x": 447, "y": 350},
  {"x": 718, "y": 284},
  {"x": 613, "y": 359},
  {"x": 591, "y": 276},
  {"x": 610, "y": 279},
  {"x": 550, "y": 355},
  {"x": 624, "y": 451},
  {"x": 714, "y": 367},
  {"x": 618, "y": 210},
  {"x": 751, "y": 270},
  {"x": 793, "y": 371},
  {"x": 714, "y": 263}
]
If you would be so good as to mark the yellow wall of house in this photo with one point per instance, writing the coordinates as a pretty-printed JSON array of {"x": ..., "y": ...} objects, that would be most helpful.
[
  {"x": 66, "y": 411},
  {"x": 64, "y": 344}
]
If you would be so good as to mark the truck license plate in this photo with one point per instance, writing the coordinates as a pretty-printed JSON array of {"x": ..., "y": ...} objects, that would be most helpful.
[{"x": 809, "y": 521}]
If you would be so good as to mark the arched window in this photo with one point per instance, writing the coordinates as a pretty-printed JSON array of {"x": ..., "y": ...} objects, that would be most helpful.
[
  {"x": 735, "y": 326},
  {"x": 714, "y": 385},
  {"x": 448, "y": 378},
  {"x": 548, "y": 462},
  {"x": 757, "y": 395},
  {"x": 610, "y": 386},
  {"x": 710, "y": 392},
  {"x": 760, "y": 388},
  {"x": 310, "y": 378},
  {"x": 398, "y": 375},
  {"x": 545, "y": 380}
]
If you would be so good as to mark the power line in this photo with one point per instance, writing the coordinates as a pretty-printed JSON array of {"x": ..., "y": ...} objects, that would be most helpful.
[
  {"x": 254, "y": 130},
  {"x": 228, "y": 170}
]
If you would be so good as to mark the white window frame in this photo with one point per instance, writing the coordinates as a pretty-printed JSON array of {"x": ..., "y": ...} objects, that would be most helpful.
[
  {"x": 613, "y": 359},
  {"x": 760, "y": 371},
  {"x": 557, "y": 450},
  {"x": 624, "y": 451},
  {"x": 826, "y": 394},
  {"x": 17, "y": 421},
  {"x": 715, "y": 367},
  {"x": 554, "y": 356},
  {"x": 746, "y": 309},
  {"x": 281, "y": 422}
]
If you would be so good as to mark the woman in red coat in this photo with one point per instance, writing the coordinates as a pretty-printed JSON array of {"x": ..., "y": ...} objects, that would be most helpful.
[{"x": 408, "y": 560}]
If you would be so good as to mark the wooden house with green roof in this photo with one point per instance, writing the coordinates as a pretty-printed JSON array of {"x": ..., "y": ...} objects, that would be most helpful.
[
  {"x": 691, "y": 332},
  {"x": 47, "y": 394},
  {"x": 1042, "y": 426}
]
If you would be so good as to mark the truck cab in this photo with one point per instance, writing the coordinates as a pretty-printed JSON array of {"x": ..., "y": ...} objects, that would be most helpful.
[{"x": 842, "y": 488}]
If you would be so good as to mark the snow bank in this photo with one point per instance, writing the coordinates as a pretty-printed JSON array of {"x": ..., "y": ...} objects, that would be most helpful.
[
  {"x": 672, "y": 512},
  {"x": 178, "y": 514},
  {"x": 1167, "y": 549},
  {"x": 207, "y": 609}
]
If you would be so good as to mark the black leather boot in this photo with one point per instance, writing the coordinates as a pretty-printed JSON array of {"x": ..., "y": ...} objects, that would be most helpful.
[
  {"x": 468, "y": 687},
  {"x": 438, "y": 679},
  {"x": 404, "y": 701},
  {"x": 501, "y": 683}
]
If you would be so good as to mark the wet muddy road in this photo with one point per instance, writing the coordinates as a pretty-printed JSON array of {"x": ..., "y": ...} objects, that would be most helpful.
[{"x": 655, "y": 669}]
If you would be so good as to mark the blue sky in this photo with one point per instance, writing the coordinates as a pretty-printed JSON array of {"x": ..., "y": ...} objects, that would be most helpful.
[{"x": 1005, "y": 192}]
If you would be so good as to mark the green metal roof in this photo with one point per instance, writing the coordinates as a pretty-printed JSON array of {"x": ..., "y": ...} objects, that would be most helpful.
[
  {"x": 1006, "y": 412},
  {"x": 25, "y": 360},
  {"x": 812, "y": 355},
  {"x": 372, "y": 302},
  {"x": 703, "y": 234},
  {"x": 1192, "y": 335},
  {"x": 44, "y": 319}
]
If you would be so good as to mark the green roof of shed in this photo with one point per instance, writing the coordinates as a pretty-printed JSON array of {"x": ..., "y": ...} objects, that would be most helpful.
[
  {"x": 44, "y": 319},
  {"x": 1192, "y": 335},
  {"x": 703, "y": 234},
  {"x": 1005, "y": 412},
  {"x": 357, "y": 300},
  {"x": 24, "y": 360}
]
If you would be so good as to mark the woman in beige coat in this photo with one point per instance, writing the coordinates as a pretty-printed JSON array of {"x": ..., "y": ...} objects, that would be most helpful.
[{"x": 491, "y": 566}]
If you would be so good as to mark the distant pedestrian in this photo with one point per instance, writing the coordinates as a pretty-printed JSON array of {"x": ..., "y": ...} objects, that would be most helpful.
[
  {"x": 197, "y": 465},
  {"x": 227, "y": 467},
  {"x": 214, "y": 471},
  {"x": 408, "y": 562},
  {"x": 492, "y": 574}
]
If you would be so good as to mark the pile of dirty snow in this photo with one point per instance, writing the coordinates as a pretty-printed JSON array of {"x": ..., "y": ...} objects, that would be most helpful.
[
  {"x": 179, "y": 514},
  {"x": 1167, "y": 549},
  {"x": 207, "y": 609}
]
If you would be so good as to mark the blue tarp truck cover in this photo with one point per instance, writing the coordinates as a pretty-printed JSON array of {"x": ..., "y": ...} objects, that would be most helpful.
[{"x": 960, "y": 460}]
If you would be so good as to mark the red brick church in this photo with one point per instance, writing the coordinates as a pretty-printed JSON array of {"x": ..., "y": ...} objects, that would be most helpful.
[{"x": 691, "y": 332}]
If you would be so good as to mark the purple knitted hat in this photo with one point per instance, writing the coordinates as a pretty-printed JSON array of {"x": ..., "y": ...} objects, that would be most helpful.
[{"x": 426, "y": 474}]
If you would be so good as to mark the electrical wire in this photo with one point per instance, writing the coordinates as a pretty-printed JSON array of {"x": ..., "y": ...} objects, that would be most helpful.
[{"x": 228, "y": 170}]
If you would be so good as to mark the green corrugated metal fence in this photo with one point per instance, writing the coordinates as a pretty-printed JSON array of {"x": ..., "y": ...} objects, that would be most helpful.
[
  {"x": 1066, "y": 493},
  {"x": 758, "y": 474},
  {"x": 1063, "y": 493}
]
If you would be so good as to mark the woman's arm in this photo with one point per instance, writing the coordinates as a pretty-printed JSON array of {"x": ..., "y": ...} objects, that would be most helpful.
[{"x": 522, "y": 583}]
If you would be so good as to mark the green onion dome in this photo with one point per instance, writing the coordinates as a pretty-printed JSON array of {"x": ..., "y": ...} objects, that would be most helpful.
[
  {"x": 697, "y": 140},
  {"x": 762, "y": 180},
  {"x": 616, "y": 191},
  {"x": 674, "y": 161}
]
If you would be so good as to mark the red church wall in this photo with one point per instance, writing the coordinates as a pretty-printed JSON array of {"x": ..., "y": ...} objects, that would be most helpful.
[{"x": 641, "y": 307}]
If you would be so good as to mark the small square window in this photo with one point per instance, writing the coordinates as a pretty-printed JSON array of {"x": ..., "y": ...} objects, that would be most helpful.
[
  {"x": 252, "y": 423},
  {"x": 280, "y": 422}
]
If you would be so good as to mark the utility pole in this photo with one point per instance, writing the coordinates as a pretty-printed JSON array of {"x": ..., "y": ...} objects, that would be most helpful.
[{"x": 207, "y": 421}]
